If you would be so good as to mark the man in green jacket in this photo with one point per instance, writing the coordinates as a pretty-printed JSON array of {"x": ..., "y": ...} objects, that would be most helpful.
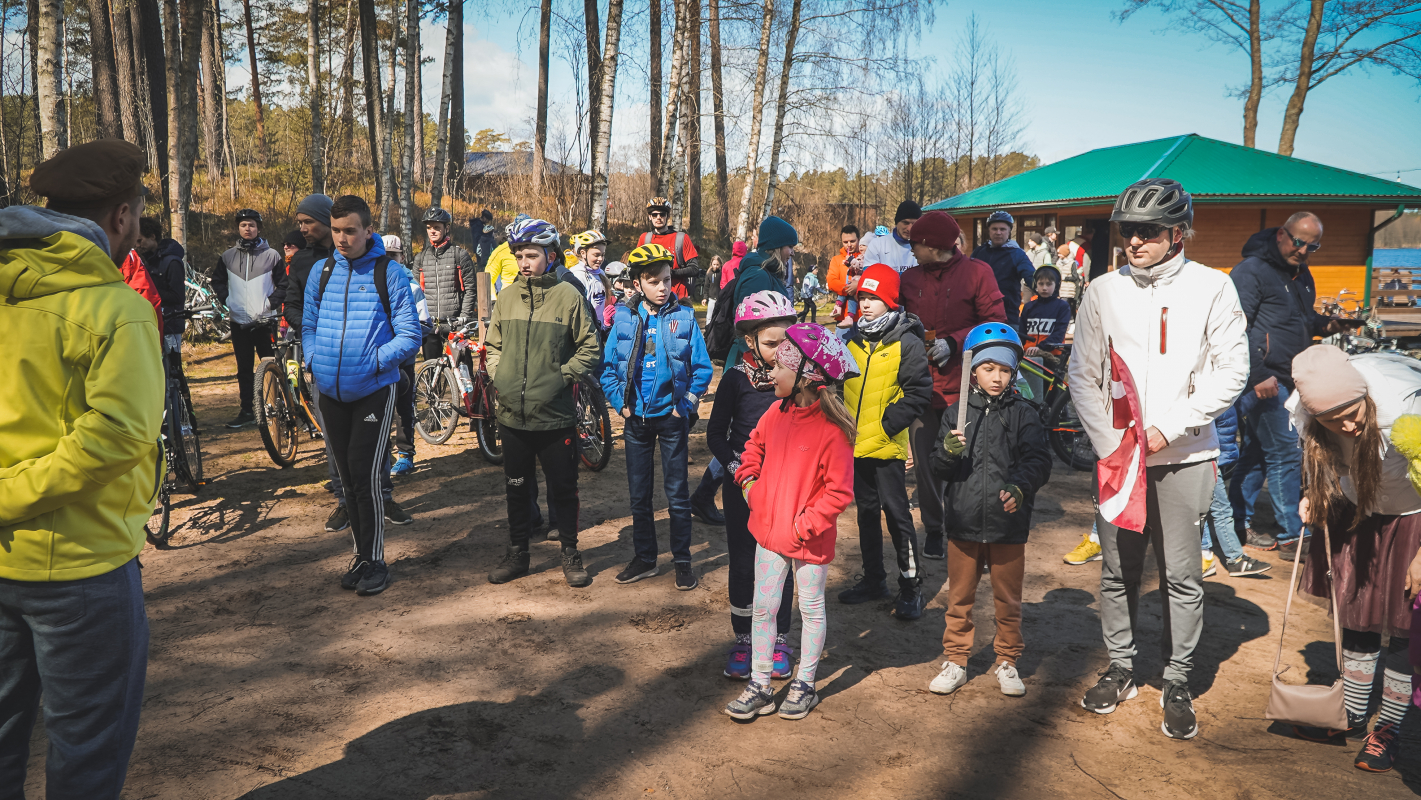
[
  {"x": 541, "y": 340},
  {"x": 80, "y": 414}
]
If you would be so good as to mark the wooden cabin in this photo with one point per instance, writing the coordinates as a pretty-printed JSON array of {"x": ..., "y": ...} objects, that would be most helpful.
[{"x": 1237, "y": 192}]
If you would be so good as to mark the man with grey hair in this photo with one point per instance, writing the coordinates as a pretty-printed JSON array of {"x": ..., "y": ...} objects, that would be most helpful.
[{"x": 1278, "y": 297}]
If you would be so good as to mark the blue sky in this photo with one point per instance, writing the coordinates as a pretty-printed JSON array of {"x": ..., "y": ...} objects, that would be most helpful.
[{"x": 1089, "y": 81}]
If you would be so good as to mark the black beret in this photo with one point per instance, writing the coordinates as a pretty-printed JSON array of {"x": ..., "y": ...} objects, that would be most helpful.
[{"x": 92, "y": 174}]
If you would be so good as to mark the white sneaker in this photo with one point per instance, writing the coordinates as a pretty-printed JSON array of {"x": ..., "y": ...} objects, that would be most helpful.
[
  {"x": 1009, "y": 680},
  {"x": 949, "y": 680}
]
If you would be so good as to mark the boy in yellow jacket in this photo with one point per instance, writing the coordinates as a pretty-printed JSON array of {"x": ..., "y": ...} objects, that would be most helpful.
[
  {"x": 80, "y": 412},
  {"x": 892, "y": 389}
]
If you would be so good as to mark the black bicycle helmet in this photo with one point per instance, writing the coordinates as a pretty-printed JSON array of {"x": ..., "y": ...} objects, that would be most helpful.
[
  {"x": 249, "y": 214},
  {"x": 1157, "y": 200},
  {"x": 1001, "y": 216},
  {"x": 436, "y": 214}
]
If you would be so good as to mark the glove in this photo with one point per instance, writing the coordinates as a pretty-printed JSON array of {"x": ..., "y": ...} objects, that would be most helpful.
[
  {"x": 1016, "y": 493},
  {"x": 953, "y": 445},
  {"x": 460, "y": 322},
  {"x": 941, "y": 352}
]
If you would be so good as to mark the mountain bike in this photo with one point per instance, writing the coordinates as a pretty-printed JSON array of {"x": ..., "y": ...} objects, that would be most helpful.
[
  {"x": 456, "y": 385},
  {"x": 1064, "y": 430},
  {"x": 284, "y": 411},
  {"x": 594, "y": 424},
  {"x": 208, "y": 317},
  {"x": 180, "y": 456}
]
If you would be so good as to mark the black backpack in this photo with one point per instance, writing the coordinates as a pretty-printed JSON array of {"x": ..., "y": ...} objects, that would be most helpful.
[
  {"x": 720, "y": 328},
  {"x": 382, "y": 287}
]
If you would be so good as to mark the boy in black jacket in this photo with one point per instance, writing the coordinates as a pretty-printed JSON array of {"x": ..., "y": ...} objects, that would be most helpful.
[{"x": 993, "y": 472}]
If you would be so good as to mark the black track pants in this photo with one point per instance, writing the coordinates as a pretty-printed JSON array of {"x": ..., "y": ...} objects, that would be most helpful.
[
  {"x": 881, "y": 485},
  {"x": 358, "y": 432}
]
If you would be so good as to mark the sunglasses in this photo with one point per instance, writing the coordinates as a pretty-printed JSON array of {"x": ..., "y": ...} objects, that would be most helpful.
[
  {"x": 1144, "y": 231},
  {"x": 1311, "y": 247},
  {"x": 657, "y": 214}
]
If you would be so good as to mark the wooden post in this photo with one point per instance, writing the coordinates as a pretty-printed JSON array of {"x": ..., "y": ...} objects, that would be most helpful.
[{"x": 484, "y": 300}]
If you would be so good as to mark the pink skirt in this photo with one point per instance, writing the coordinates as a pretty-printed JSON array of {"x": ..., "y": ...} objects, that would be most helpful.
[{"x": 1369, "y": 564}]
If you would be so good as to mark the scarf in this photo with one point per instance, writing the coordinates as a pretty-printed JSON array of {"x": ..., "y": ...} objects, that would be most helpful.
[
  {"x": 756, "y": 371},
  {"x": 873, "y": 331}
]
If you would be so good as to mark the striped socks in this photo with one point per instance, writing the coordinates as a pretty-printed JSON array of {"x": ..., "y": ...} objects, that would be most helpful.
[
  {"x": 1396, "y": 696},
  {"x": 1359, "y": 672}
]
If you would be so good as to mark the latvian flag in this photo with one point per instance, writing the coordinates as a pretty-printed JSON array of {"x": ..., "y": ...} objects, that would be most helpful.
[{"x": 1122, "y": 473}]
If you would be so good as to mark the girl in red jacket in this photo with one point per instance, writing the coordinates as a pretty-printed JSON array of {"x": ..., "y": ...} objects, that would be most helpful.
[{"x": 804, "y": 449}]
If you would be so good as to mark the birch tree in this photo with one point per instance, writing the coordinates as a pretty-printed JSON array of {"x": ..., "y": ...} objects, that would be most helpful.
[
  {"x": 663, "y": 181},
  {"x": 407, "y": 172},
  {"x": 722, "y": 178},
  {"x": 602, "y": 144},
  {"x": 786, "y": 70},
  {"x": 316, "y": 152},
  {"x": 387, "y": 163},
  {"x": 53, "y": 124},
  {"x": 441, "y": 142},
  {"x": 212, "y": 99},
  {"x": 756, "y": 115}
]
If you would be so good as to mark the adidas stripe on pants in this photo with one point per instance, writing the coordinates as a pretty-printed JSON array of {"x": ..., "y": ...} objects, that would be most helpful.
[{"x": 358, "y": 433}]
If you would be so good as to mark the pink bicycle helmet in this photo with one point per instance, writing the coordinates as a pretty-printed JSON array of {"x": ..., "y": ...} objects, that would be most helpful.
[
  {"x": 762, "y": 307},
  {"x": 815, "y": 351}
]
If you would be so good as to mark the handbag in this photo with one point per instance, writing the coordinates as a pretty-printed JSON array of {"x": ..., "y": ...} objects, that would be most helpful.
[{"x": 1311, "y": 705}]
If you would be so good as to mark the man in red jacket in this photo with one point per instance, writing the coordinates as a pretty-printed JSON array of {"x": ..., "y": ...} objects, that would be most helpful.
[
  {"x": 951, "y": 293},
  {"x": 687, "y": 267}
]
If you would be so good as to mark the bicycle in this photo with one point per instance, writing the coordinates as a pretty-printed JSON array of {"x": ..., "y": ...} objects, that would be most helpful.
[
  {"x": 208, "y": 316},
  {"x": 284, "y": 411},
  {"x": 455, "y": 385},
  {"x": 180, "y": 454},
  {"x": 594, "y": 424},
  {"x": 1064, "y": 430}
]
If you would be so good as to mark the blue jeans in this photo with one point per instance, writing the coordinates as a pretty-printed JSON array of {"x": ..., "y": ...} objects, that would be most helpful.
[
  {"x": 1270, "y": 441},
  {"x": 84, "y": 645},
  {"x": 1221, "y": 524},
  {"x": 642, "y": 437}
]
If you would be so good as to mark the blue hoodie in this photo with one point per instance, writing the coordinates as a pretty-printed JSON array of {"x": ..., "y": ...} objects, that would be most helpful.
[
  {"x": 683, "y": 367},
  {"x": 353, "y": 349}
]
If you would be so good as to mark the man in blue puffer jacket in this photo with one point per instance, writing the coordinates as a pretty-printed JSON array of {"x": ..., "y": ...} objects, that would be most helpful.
[
  {"x": 655, "y": 369},
  {"x": 356, "y": 336}
]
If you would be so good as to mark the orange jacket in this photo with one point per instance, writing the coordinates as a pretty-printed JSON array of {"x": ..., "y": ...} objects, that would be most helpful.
[
  {"x": 136, "y": 275},
  {"x": 838, "y": 279}
]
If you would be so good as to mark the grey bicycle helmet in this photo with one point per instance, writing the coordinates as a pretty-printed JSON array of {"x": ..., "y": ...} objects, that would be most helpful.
[
  {"x": 1001, "y": 216},
  {"x": 437, "y": 214},
  {"x": 1156, "y": 200}
]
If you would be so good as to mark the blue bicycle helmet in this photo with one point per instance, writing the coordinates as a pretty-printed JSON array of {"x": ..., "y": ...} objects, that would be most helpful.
[
  {"x": 533, "y": 231},
  {"x": 1001, "y": 216},
  {"x": 993, "y": 334}
]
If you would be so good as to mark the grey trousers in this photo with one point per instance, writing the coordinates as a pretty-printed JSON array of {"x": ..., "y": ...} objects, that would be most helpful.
[
  {"x": 79, "y": 650},
  {"x": 1179, "y": 498},
  {"x": 923, "y": 435}
]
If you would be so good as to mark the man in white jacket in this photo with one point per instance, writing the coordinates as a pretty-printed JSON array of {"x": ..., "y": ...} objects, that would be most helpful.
[{"x": 1179, "y": 328}]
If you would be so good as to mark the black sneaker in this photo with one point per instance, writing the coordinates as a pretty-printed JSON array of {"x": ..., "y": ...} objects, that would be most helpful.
[
  {"x": 376, "y": 579},
  {"x": 1179, "y": 720},
  {"x": 1379, "y": 752},
  {"x": 934, "y": 548},
  {"x": 708, "y": 513},
  {"x": 514, "y": 563},
  {"x": 863, "y": 592},
  {"x": 910, "y": 604},
  {"x": 1289, "y": 550},
  {"x": 242, "y": 420},
  {"x": 635, "y": 571},
  {"x": 396, "y": 515},
  {"x": 358, "y": 568},
  {"x": 339, "y": 520},
  {"x": 572, "y": 568},
  {"x": 1243, "y": 566},
  {"x": 686, "y": 579},
  {"x": 1116, "y": 685},
  {"x": 1259, "y": 541},
  {"x": 1356, "y": 729}
]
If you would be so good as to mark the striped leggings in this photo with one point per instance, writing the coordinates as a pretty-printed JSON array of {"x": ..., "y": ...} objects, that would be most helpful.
[{"x": 771, "y": 571}]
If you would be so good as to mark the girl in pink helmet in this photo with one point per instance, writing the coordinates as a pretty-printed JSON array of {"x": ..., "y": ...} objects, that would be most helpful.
[{"x": 803, "y": 448}]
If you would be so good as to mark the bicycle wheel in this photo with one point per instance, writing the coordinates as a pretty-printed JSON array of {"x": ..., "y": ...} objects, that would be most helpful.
[
  {"x": 163, "y": 512},
  {"x": 490, "y": 445},
  {"x": 436, "y": 402},
  {"x": 183, "y": 436},
  {"x": 276, "y": 419},
  {"x": 594, "y": 427},
  {"x": 1068, "y": 437}
]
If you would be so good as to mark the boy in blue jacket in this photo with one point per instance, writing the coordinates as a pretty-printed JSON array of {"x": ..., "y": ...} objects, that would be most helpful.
[
  {"x": 357, "y": 333},
  {"x": 655, "y": 369}
]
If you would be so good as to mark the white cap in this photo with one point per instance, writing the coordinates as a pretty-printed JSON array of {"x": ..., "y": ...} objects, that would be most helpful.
[{"x": 393, "y": 243}]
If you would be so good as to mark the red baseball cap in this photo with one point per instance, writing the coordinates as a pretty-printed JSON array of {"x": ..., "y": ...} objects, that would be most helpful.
[{"x": 881, "y": 281}]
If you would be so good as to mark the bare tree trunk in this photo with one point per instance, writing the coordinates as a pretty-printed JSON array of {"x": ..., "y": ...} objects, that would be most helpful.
[
  {"x": 673, "y": 107},
  {"x": 421, "y": 173},
  {"x": 124, "y": 62},
  {"x": 32, "y": 37},
  {"x": 757, "y": 114},
  {"x": 441, "y": 141},
  {"x": 347, "y": 83},
  {"x": 387, "y": 175},
  {"x": 456, "y": 103},
  {"x": 313, "y": 90},
  {"x": 105, "y": 81},
  {"x": 184, "y": 45},
  {"x": 593, "y": 28},
  {"x": 654, "y": 65},
  {"x": 1255, "y": 83},
  {"x": 540, "y": 129},
  {"x": 257, "y": 110},
  {"x": 147, "y": 27},
  {"x": 371, "y": 56},
  {"x": 780, "y": 107},
  {"x": 407, "y": 156},
  {"x": 722, "y": 177},
  {"x": 228, "y": 157},
  {"x": 53, "y": 124},
  {"x": 696, "y": 224},
  {"x": 1294, "y": 111},
  {"x": 602, "y": 146},
  {"x": 211, "y": 99}
]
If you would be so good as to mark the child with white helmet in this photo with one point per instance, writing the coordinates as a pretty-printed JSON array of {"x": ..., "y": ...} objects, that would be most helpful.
[{"x": 797, "y": 477}]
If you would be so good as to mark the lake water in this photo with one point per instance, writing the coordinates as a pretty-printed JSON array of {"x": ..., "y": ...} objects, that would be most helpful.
[{"x": 1397, "y": 257}]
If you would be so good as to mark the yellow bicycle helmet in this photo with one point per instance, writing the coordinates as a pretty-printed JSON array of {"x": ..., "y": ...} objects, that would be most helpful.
[
  {"x": 648, "y": 255},
  {"x": 586, "y": 239}
]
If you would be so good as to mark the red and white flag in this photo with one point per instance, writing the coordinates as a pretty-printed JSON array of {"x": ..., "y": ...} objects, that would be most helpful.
[{"x": 1122, "y": 473}]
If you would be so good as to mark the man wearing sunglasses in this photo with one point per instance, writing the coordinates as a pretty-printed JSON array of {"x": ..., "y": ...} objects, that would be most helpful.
[
  {"x": 1278, "y": 297},
  {"x": 686, "y": 268},
  {"x": 1178, "y": 327}
]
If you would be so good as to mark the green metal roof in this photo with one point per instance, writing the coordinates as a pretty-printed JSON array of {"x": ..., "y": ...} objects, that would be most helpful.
[{"x": 1212, "y": 171}]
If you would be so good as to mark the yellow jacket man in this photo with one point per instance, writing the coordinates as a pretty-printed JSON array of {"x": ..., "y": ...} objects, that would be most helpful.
[{"x": 80, "y": 411}]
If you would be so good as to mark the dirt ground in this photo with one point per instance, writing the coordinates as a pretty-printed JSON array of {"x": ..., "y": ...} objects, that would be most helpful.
[{"x": 266, "y": 680}]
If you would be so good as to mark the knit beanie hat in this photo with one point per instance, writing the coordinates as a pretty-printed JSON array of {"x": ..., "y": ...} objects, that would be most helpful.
[
  {"x": 317, "y": 207},
  {"x": 881, "y": 281},
  {"x": 1326, "y": 380},
  {"x": 936, "y": 229},
  {"x": 776, "y": 233},
  {"x": 907, "y": 210},
  {"x": 997, "y": 355},
  {"x": 294, "y": 239}
]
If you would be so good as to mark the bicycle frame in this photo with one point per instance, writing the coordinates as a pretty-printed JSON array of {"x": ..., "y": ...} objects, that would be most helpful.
[
  {"x": 288, "y": 353},
  {"x": 473, "y": 380}
]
